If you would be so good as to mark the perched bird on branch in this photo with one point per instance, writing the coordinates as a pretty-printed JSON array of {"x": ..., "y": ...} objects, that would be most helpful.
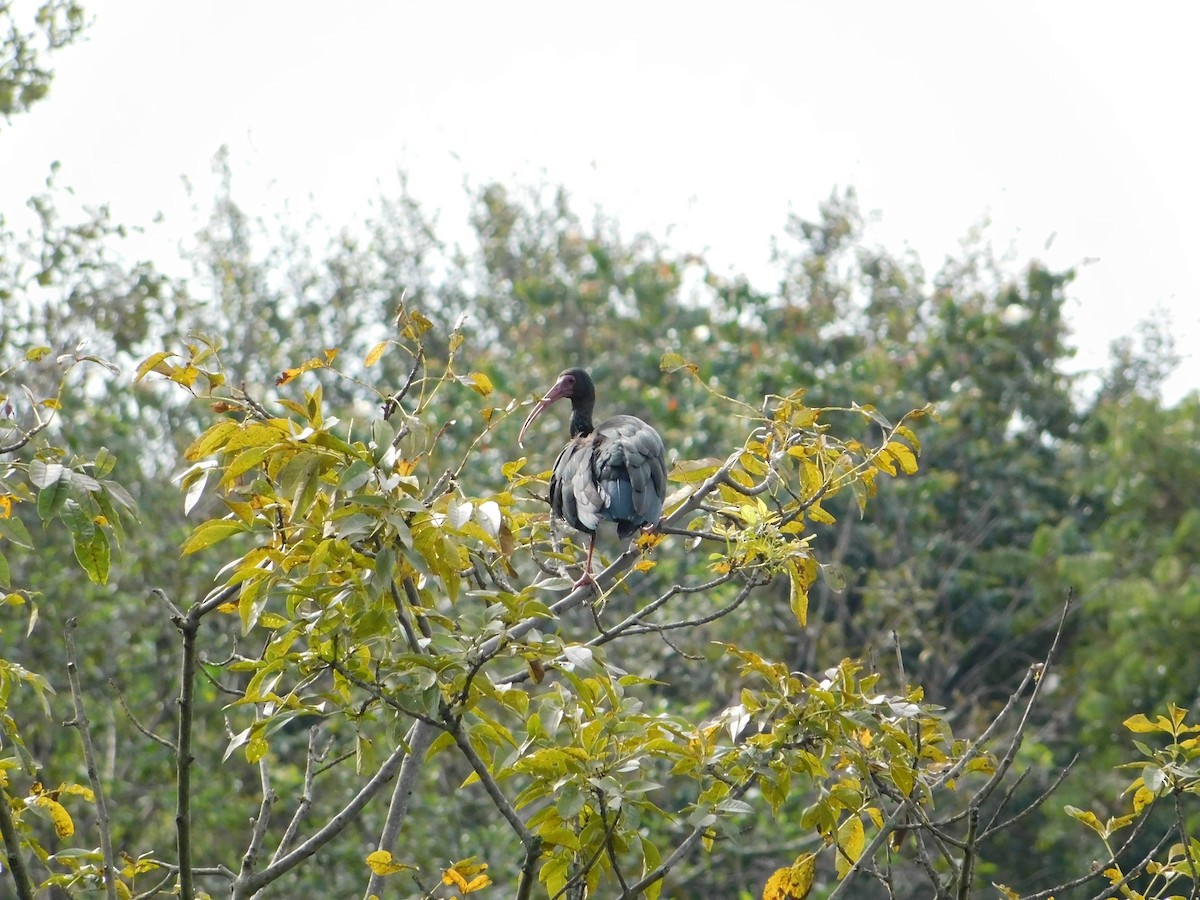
[{"x": 616, "y": 470}]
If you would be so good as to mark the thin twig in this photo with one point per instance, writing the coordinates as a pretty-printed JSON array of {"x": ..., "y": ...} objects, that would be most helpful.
[
  {"x": 967, "y": 873},
  {"x": 1098, "y": 871},
  {"x": 660, "y": 871},
  {"x": 261, "y": 822},
  {"x": 80, "y": 722},
  {"x": 158, "y": 739},
  {"x": 1042, "y": 798},
  {"x": 306, "y": 795},
  {"x": 242, "y": 890}
]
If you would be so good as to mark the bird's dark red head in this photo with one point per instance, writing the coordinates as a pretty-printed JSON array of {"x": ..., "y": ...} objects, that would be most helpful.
[
  {"x": 577, "y": 386},
  {"x": 574, "y": 384}
]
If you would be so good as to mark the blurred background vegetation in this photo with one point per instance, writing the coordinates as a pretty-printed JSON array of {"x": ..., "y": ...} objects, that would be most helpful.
[{"x": 1032, "y": 482}]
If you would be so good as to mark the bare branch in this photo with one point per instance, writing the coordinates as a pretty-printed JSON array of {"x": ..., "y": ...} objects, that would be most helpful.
[
  {"x": 12, "y": 850},
  {"x": 1098, "y": 871},
  {"x": 243, "y": 889},
  {"x": 306, "y": 794},
  {"x": 531, "y": 842},
  {"x": 158, "y": 739},
  {"x": 419, "y": 738},
  {"x": 660, "y": 871},
  {"x": 80, "y": 722},
  {"x": 261, "y": 822}
]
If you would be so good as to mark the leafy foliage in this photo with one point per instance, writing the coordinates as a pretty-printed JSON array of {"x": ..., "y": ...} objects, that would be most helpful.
[{"x": 337, "y": 575}]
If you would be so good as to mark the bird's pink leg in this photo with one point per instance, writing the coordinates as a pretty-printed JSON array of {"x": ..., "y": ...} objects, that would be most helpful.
[{"x": 587, "y": 577}]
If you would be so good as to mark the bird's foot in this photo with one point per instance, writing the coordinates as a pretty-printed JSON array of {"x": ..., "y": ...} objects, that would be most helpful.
[{"x": 586, "y": 578}]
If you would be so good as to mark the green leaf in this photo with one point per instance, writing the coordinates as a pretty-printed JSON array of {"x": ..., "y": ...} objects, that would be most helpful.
[
  {"x": 243, "y": 463},
  {"x": 211, "y": 532},
  {"x": 673, "y": 362},
  {"x": 15, "y": 531},
  {"x": 5, "y": 574},
  {"x": 93, "y": 554},
  {"x": 43, "y": 474},
  {"x": 52, "y": 497}
]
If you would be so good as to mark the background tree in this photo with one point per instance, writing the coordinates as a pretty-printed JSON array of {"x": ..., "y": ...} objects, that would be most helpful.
[{"x": 1029, "y": 485}]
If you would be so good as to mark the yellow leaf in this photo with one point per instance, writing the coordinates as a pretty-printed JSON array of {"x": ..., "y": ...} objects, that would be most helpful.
[
  {"x": 909, "y": 435},
  {"x": 477, "y": 883},
  {"x": 63, "y": 826},
  {"x": 186, "y": 376},
  {"x": 211, "y": 440},
  {"x": 1142, "y": 798},
  {"x": 644, "y": 565},
  {"x": 480, "y": 383},
  {"x": 688, "y": 471},
  {"x": 818, "y": 514},
  {"x": 1088, "y": 818},
  {"x": 799, "y": 595},
  {"x": 753, "y": 464},
  {"x": 794, "y": 882},
  {"x": 381, "y": 863},
  {"x": 904, "y": 456},
  {"x": 376, "y": 353},
  {"x": 459, "y": 873},
  {"x": 886, "y": 461},
  {"x": 1140, "y": 724},
  {"x": 33, "y": 354},
  {"x": 850, "y": 843},
  {"x": 152, "y": 363}
]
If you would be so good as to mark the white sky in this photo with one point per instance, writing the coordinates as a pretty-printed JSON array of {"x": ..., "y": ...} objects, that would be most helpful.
[{"x": 1077, "y": 120}]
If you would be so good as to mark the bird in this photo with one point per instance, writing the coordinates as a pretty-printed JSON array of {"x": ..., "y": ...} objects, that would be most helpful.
[{"x": 615, "y": 471}]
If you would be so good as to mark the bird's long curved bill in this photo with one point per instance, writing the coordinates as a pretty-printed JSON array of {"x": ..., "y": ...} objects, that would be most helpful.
[{"x": 537, "y": 411}]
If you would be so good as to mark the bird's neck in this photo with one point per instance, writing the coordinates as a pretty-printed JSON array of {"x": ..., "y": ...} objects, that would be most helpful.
[{"x": 581, "y": 419}]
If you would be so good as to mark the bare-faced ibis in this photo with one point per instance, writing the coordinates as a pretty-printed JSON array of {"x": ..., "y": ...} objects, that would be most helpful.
[{"x": 615, "y": 471}]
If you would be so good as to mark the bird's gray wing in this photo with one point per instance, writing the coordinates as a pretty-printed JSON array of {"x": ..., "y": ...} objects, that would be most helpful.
[
  {"x": 574, "y": 494},
  {"x": 629, "y": 464}
]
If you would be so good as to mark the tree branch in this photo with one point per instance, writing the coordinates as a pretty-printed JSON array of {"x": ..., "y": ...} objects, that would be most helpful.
[
  {"x": 660, "y": 871},
  {"x": 80, "y": 722},
  {"x": 261, "y": 822},
  {"x": 306, "y": 793},
  {"x": 12, "y": 850},
  {"x": 246, "y": 888},
  {"x": 419, "y": 738}
]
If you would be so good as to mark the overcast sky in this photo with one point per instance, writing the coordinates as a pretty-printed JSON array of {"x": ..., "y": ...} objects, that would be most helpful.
[{"x": 1075, "y": 121}]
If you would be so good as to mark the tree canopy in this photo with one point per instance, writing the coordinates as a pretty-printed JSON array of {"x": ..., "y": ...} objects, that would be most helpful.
[{"x": 285, "y": 610}]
